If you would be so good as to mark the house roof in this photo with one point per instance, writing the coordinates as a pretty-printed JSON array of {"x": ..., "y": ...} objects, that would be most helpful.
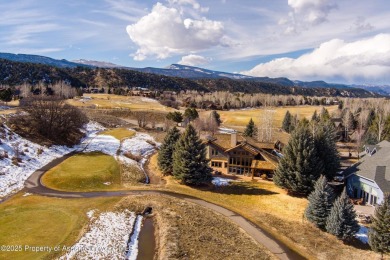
[
  {"x": 376, "y": 165},
  {"x": 223, "y": 141},
  {"x": 264, "y": 165}
]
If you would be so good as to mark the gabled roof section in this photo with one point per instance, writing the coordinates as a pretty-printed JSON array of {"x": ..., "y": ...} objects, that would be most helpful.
[
  {"x": 375, "y": 165},
  {"x": 224, "y": 140}
]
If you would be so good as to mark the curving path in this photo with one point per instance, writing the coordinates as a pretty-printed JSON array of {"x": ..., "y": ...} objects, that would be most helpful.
[{"x": 33, "y": 184}]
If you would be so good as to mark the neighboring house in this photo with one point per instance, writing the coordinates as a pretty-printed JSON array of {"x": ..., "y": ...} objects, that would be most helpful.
[
  {"x": 235, "y": 154},
  {"x": 369, "y": 178}
]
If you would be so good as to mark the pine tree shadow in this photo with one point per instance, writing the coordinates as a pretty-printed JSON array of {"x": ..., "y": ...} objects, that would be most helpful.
[{"x": 241, "y": 188}]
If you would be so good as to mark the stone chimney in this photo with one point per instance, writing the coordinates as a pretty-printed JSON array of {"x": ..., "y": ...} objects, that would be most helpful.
[{"x": 233, "y": 139}]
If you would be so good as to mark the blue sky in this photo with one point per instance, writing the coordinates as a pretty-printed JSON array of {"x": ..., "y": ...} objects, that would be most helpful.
[{"x": 344, "y": 41}]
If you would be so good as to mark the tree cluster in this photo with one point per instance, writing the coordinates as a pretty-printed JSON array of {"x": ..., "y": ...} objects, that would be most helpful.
[
  {"x": 336, "y": 216},
  {"x": 52, "y": 118},
  {"x": 184, "y": 156},
  {"x": 310, "y": 152}
]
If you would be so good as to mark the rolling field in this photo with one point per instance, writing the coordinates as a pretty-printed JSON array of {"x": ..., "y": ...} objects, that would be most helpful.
[
  {"x": 240, "y": 118},
  {"x": 85, "y": 172},
  {"x": 110, "y": 101},
  {"x": 41, "y": 221}
]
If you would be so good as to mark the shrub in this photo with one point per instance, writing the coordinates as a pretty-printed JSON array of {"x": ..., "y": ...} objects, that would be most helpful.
[{"x": 135, "y": 157}]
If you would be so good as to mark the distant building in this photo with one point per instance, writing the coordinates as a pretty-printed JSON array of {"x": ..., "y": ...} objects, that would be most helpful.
[
  {"x": 369, "y": 179},
  {"x": 236, "y": 154}
]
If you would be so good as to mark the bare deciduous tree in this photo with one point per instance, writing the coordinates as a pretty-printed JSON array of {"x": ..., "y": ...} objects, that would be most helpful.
[{"x": 265, "y": 126}]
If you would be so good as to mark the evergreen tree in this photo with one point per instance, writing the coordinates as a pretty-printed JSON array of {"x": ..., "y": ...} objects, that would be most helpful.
[
  {"x": 165, "y": 154},
  {"x": 300, "y": 167},
  {"x": 315, "y": 117},
  {"x": 190, "y": 165},
  {"x": 287, "y": 121},
  {"x": 324, "y": 115},
  {"x": 379, "y": 234},
  {"x": 320, "y": 203},
  {"x": 325, "y": 143},
  {"x": 191, "y": 114},
  {"x": 6, "y": 95},
  {"x": 175, "y": 116},
  {"x": 342, "y": 221},
  {"x": 214, "y": 114},
  {"x": 251, "y": 129}
]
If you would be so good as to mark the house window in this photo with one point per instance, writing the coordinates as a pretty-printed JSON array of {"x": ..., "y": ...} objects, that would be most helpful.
[
  {"x": 216, "y": 164},
  {"x": 225, "y": 165},
  {"x": 214, "y": 152}
]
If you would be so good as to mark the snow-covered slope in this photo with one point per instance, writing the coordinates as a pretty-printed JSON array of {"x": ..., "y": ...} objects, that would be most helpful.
[{"x": 32, "y": 156}]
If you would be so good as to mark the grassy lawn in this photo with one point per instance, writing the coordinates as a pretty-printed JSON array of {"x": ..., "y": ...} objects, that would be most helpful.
[
  {"x": 119, "y": 133},
  {"x": 85, "y": 172},
  {"x": 280, "y": 214},
  {"x": 42, "y": 221},
  {"x": 109, "y": 101},
  {"x": 240, "y": 118}
]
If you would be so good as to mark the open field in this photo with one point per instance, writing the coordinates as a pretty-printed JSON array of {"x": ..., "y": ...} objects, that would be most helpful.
[
  {"x": 119, "y": 133},
  {"x": 85, "y": 172},
  {"x": 109, "y": 101},
  {"x": 240, "y": 118},
  {"x": 41, "y": 221},
  {"x": 280, "y": 214},
  {"x": 189, "y": 231}
]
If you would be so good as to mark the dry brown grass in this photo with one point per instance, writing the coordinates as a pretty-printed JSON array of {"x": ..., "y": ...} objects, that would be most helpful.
[
  {"x": 280, "y": 214},
  {"x": 132, "y": 175},
  {"x": 189, "y": 231},
  {"x": 115, "y": 101}
]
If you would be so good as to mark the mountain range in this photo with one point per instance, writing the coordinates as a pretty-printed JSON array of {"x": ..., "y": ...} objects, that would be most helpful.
[{"x": 190, "y": 72}]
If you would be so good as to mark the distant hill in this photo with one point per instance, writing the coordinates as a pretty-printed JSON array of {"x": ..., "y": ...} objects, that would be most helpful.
[
  {"x": 40, "y": 60},
  {"x": 100, "y": 64},
  {"x": 19, "y": 68},
  {"x": 382, "y": 90},
  {"x": 15, "y": 73}
]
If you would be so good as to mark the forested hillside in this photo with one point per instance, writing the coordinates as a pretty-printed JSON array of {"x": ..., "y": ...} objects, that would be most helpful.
[{"x": 16, "y": 73}]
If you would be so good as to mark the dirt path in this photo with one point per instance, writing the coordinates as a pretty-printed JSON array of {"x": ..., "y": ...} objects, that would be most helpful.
[{"x": 33, "y": 185}]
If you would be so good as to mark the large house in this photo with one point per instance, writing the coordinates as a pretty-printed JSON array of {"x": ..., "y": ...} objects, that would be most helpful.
[
  {"x": 236, "y": 154},
  {"x": 369, "y": 179}
]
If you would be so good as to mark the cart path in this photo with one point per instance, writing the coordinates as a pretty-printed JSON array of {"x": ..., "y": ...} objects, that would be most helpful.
[{"x": 279, "y": 249}]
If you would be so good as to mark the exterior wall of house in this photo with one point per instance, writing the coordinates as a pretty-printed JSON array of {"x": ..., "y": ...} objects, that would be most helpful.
[
  {"x": 359, "y": 187},
  {"x": 240, "y": 162},
  {"x": 218, "y": 159}
]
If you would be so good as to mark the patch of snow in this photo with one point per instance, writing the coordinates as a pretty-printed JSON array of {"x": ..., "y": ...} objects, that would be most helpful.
[
  {"x": 103, "y": 143},
  {"x": 224, "y": 130},
  {"x": 150, "y": 100},
  {"x": 106, "y": 239},
  {"x": 138, "y": 145},
  {"x": 26, "y": 194},
  {"x": 107, "y": 183},
  {"x": 219, "y": 181},
  {"x": 4, "y": 107},
  {"x": 362, "y": 234},
  {"x": 91, "y": 213},
  {"x": 133, "y": 244}
]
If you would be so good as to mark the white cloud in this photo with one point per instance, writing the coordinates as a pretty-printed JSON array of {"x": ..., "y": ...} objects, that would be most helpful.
[
  {"x": 363, "y": 60},
  {"x": 313, "y": 11},
  {"x": 167, "y": 30},
  {"x": 194, "y": 60}
]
